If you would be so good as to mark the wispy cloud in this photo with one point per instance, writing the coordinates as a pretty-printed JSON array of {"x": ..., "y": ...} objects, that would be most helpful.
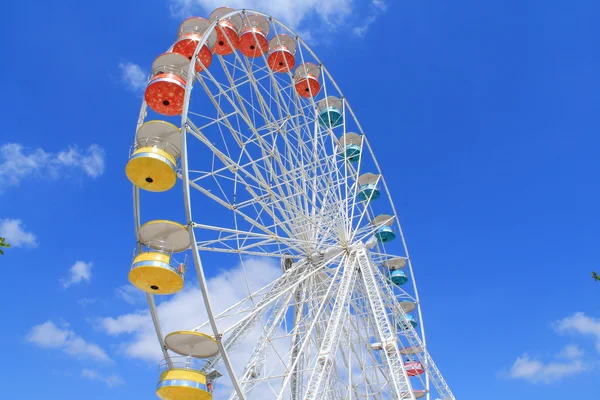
[
  {"x": 86, "y": 301},
  {"x": 377, "y": 7},
  {"x": 571, "y": 352},
  {"x": 130, "y": 294},
  {"x": 111, "y": 380},
  {"x": 49, "y": 336},
  {"x": 293, "y": 13},
  {"x": 581, "y": 324},
  {"x": 536, "y": 371},
  {"x": 18, "y": 163},
  {"x": 15, "y": 234},
  {"x": 379, "y": 4},
  {"x": 80, "y": 271},
  {"x": 133, "y": 76}
]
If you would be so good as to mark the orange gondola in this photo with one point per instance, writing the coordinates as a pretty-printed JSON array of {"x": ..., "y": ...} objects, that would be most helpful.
[
  {"x": 227, "y": 31},
  {"x": 281, "y": 53},
  {"x": 166, "y": 90}
]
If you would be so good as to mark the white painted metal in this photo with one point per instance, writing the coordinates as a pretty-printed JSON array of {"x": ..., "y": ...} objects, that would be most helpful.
[
  {"x": 264, "y": 179},
  {"x": 333, "y": 332},
  {"x": 386, "y": 333}
]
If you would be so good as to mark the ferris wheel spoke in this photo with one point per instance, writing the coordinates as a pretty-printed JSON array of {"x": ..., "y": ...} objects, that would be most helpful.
[
  {"x": 237, "y": 212},
  {"x": 242, "y": 238},
  {"x": 259, "y": 94},
  {"x": 232, "y": 164},
  {"x": 263, "y": 106}
]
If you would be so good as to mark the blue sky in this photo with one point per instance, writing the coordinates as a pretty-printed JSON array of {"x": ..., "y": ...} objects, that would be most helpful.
[{"x": 485, "y": 126}]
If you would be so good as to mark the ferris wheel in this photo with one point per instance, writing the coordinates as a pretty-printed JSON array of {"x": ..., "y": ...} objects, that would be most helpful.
[{"x": 273, "y": 165}]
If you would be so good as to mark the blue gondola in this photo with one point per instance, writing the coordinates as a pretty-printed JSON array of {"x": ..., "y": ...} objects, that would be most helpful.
[
  {"x": 398, "y": 277},
  {"x": 330, "y": 117},
  {"x": 368, "y": 192},
  {"x": 385, "y": 234},
  {"x": 410, "y": 319}
]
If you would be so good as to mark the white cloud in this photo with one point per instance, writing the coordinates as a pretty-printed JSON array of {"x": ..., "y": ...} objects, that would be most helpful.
[
  {"x": 130, "y": 294},
  {"x": 571, "y": 352},
  {"x": 92, "y": 162},
  {"x": 379, "y": 4},
  {"x": 291, "y": 12},
  {"x": 569, "y": 361},
  {"x": 377, "y": 7},
  {"x": 79, "y": 272},
  {"x": 15, "y": 234},
  {"x": 50, "y": 336},
  {"x": 86, "y": 301},
  {"x": 581, "y": 324},
  {"x": 536, "y": 371},
  {"x": 18, "y": 162},
  {"x": 362, "y": 29},
  {"x": 110, "y": 380},
  {"x": 186, "y": 310},
  {"x": 133, "y": 76}
]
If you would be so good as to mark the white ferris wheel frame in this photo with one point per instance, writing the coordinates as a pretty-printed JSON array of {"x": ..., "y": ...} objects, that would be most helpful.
[{"x": 432, "y": 373}]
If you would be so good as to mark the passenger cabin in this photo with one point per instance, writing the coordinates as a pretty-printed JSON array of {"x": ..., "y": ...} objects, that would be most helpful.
[
  {"x": 408, "y": 306},
  {"x": 383, "y": 228},
  {"x": 306, "y": 79},
  {"x": 282, "y": 50},
  {"x": 349, "y": 147},
  {"x": 153, "y": 161},
  {"x": 228, "y": 30},
  {"x": 330, "y": 112},
  {"x": 154, "y": 269},
  {"x": 182, "y": 378},
  {"x": 253, "y": 39},
  {"x": 165, "y": 92},
  {"x": 395, "y": 265},
  {"x": 191, "y": 32},
  {"x": 413, "y": 368},
  {"x": 418, "y": 394},
  {"x": 406, "y": 323},
  {"x": 367, "y": 187},
  {"x": 398, "y": 277}
]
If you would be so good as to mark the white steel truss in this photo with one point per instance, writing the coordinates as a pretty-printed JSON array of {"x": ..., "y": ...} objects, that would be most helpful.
[{"x": 386, "y": 335}]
